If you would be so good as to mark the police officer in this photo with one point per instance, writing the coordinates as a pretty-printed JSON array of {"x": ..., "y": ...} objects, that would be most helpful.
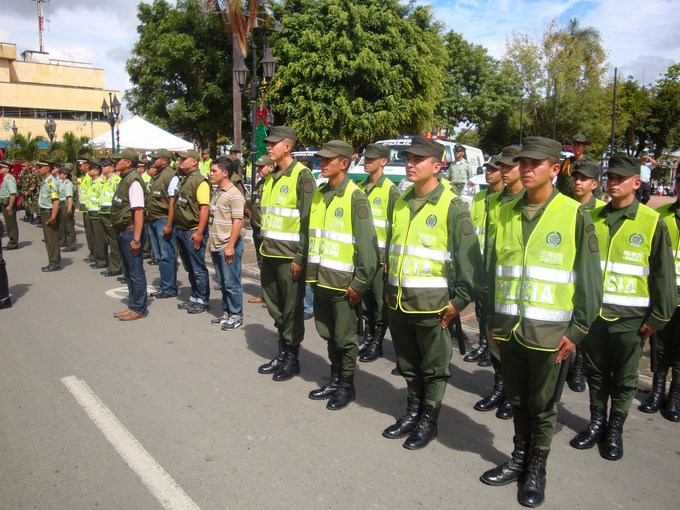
[
  {"x": 25, "y": 177},
  {"x": 205, "y": 163},
  {"x": 382, "y": 195},
  {"x": 460, "y": 170},
  {"x": 9, "y": 192},
  {"x": 93, "y": 210},
  {"x": 111, "y": 182},
  {"x": 565, "y": 179},
  {"x": 67, "y": 211},
  {"x": 264, "y": 167},
  {"x": 545, "y": 296},
  {"x": 433, "y": 263},
  {"x": 640, "y": 296},
  {"x": 5, "y": 299},
  {"x": 83, "y": 166},
  {"x": 286, "y": 200},
  {"x": 48, "y": 203},
  {"x": 340, "y": 272}
]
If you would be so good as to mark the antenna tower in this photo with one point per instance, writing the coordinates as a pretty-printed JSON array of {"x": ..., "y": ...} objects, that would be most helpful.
[{"x": 41, "y": 24}]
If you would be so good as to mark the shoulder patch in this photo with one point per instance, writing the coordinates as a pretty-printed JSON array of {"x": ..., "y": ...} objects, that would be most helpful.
[
  {"x": 466, "y": 226},
  {"x": 668, "y": 239},
  {"x": 308, "y": 186},
  {"x": 462, "y": 216},
  {"x": 593, "y": 244},
  {"x": 362, "y": 212},
  {"x": 590, "y": 228}
]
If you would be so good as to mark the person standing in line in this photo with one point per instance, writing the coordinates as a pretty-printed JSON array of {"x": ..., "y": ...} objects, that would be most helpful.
[
  {"x": 264, "y": 167},
  {"x": 93, "y": 211},
  {"x": 640, "y": 297},
  {"x": 108, "y": 191},
  {"x": 647, "y": 164},
  {"x": 25, "y": 179},
  {"x": 48, "y": 203},
  {"x": 127, "y": 218},
  {"x": 160, "y": 213},
  {"x": 83, "y": 166},
  {"x": 433, "y": 262},
  {"x": 5, "y": 298},
  {"x": 565, "y": 179},
  {"x": 235, "y": 156},
  {"x": 382, "y": 195},
  {"x": 460, "y": 170},
  {"x": 286, "y": 200},
  {"x": 544, "y": 293},
  {"x": 191, "y": 211},
  {"x": 205, "y": 163},
  {"x": 67, "y": 210},
  {"x": 225, "y": 242},
  {"x": 9, "y": 192},
  {"x": 342, "y": 261}
]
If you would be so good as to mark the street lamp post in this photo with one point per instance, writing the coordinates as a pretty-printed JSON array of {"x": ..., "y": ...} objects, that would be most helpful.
[
  {"x": 15, "y": 129},
  {"x": 51, "y": 128},
  {"x": 241, "y": 74},
  {"x": 112, "y": 114}
]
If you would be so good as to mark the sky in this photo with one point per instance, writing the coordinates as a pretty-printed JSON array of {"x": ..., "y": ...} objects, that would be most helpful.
[{"x": 638, "y": 36}]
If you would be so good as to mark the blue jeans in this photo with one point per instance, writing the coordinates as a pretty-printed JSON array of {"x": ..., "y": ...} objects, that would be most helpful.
[
  {"x": 309, "y": 299},
  {"x": 133, "y": 265},
  {"x": 193, "y": 261},
  {"x": 164, "y": 249},
  {"x": 229, "y": 280}
]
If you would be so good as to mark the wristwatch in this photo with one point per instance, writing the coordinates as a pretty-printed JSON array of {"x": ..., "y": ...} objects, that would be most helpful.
[{"x": 136, "y": 241}]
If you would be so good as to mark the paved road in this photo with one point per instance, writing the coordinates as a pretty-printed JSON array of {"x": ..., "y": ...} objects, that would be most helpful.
[{"x": 171, "y": 412}]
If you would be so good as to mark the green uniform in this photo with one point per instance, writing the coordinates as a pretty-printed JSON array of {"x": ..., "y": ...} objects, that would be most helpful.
[
  {"x": 48, "y": 194},
  {"x": 9, "y": 192},
  {"x": 460, "y": 172},
  {"x": 99, "y": 235},
  {"x": 67, "y": 229},
  {"x": 544, "y": 287},
  {"x": 115, "y": 259},
  {"x": 340, "y": 223},
  {"x": 639, "y": 288},
  {"x": 83, "y": 191},
  {"x": 433, "y": 258},
  {"x": 30, "y": 184},
  {"x": 286, "y": 200},
  {"x": 381, "y": 197}
]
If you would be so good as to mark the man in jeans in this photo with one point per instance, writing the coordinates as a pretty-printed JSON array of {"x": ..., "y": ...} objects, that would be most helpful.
[
  {"x": 225, "y": 242},
  {"x": 191, "y": 211}
]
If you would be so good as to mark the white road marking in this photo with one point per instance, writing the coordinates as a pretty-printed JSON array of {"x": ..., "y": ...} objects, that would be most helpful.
[{"x": 153, "y": 476}]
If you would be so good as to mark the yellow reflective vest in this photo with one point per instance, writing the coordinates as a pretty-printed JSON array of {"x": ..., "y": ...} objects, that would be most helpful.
[
  {"x": 93, "y": 197},
  {"x": 478, "y": 212},
  {"x": 668, "y": 216},
  {"x": 379, "y": 199},
  {"x": 83, "y": 190}
]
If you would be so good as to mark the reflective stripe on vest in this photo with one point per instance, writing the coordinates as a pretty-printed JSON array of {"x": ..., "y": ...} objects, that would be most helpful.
[
  {"x": 330, "y": 261},
  {"x": 106, "y": 195},
  {"x": 280, "y": 216},
  {"x": 418, "y": 256},
  {"x": 669, "y": 217},
  {"x": 93, "y": 196},
  {"x": 625, "y": 261},
  {"x": 535, "y": 283}
]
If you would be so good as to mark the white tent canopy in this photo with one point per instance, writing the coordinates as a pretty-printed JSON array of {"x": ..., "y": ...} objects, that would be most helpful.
[{"x": 141, "y": 135}]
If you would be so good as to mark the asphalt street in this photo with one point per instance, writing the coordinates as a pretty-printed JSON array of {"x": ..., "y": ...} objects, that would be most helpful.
[{"x": 170, "y": 412}]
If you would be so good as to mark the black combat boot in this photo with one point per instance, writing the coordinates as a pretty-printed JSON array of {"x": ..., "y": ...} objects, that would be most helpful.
[
  {"x": 656, "y": 397},
  {"x": 485, "y": 360},
  {"x": 374, "y": 349},
  {"x": 531, "y": 490},
  {"x": 504, "y": 411},
  {"x": 512, "y": 470},
  {"x": 327, "y": 390},
  {"x": 290, "y": 367},
  {"x": 367, "y": 337},
  {"x": 273, "y": 365},
  {"x": 405, "y": 425},
  {"x": 344, "y": 394},
  {"x": 594, "y": 433},
  {"x": 477, "y": 353},
  {"x": 673, "y": 402},
  {"x": 612, "y": 447},
  {"x": 575, "y": 377},
  {"x": 426, "y": 430},
  {"x": 497, "y": 396}
]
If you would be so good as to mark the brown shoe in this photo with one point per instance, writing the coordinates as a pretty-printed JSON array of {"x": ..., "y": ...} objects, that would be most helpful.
[
  {"x": 118, "y": 314},
  {"x": 131, "y": 316},
  {"x": 257, "y": 299}
]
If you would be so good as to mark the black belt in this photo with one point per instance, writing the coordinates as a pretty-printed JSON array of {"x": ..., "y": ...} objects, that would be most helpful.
[{"x": 46, "y": 210}]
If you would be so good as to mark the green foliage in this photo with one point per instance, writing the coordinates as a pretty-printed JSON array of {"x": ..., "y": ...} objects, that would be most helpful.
[
  {"x": 356, "y": 70},
  {"x": 70, "y": 148},
  {"x": 25, "y": 147}
]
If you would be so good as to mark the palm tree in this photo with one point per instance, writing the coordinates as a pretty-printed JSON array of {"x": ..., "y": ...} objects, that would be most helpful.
[
  {"x": 26, "y": 147},
  {"x": 74, "y": 146}
]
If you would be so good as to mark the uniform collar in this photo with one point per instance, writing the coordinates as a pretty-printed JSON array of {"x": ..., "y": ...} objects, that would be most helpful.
[
  {"x": 522, "y": 202},
  {"x": 432, "y": 197},
  {"x": 630, "y": 211},
  {"x": 340, "y": 190}
]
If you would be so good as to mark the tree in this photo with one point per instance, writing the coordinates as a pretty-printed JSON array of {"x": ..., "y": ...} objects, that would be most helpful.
[
  {"x": 665, "y": 112},
  {"x": 180, "y": 71},
  {"x": 71, "y": 147},
  {"x": 357, "y": 70},
  {"x": 25, "y": 147}
]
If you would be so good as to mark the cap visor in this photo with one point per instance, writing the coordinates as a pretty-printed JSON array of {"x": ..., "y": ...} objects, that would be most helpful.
[
  {"x": 273, "y": 138},
  {"x": 531, "y": 155},
  {"x": 325, "y": 153}
]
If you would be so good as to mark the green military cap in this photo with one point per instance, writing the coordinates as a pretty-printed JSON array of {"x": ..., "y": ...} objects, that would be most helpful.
[
  {"x": 126, "y": 153},
  {"x": 336, "y": 148},
  {"x": 25, "y": 164},
  {"x": 80, "y": 161},
  {"x": 205, "y": 151},
  {"x": 263, "y": 161},
  {"x": 459, "y": 148},
  {"x": 421, "y": 146},
  {"x": 587, "y": 168},
  {"x": 539, "y": 147},
  {"x": 376, "y": 150},
  {"x": 161, "y": 153},
  {"x": 3, "y": 164},
  {"x": 625, "y": 166},
  {"x": 492, "y": 163},
  {"x": 234, "y": 148},
  {"x": 65, "y": 170},
  {"x": 107, "y": 162},
  {"x": 191, "y": 153},
  {"x": 579, "y": 138},
  {"x": 42, "y": 162},
  {"x": 508, "y": 155},
  {"x": 56, "y": 164},
  {"x": 96, "y": 164},
  {"x": 278, "y": 133}
]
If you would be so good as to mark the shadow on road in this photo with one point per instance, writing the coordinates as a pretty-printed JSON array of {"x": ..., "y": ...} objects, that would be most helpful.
[{"x": 18, "y": 291}]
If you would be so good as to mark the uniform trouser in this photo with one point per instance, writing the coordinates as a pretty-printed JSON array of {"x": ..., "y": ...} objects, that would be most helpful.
[
  {"x": 257, "y": 241},
  {"x": 4, "y": 282},
  {"x": 51, "y": 233},
  {"x": 375, "y": 310},
  {"x": 284, "y": 298},
  {"x": 68, "y": 227},
  {"x": 668, "y": 347},
  {"x": 99, "y": 242},
  {"x": 336, "y": 323},
  {"x": 530, "y": 377},
  {"x": 148, "y": 246},
  {"x": 89, "y": 234},
  {"x": 611, "y": 354},
  {"x": 423, "y": 352},
  {"x": 11, "y": 225},
  {"x": 165, "y": 254},
  {"x": 115, "y": 258}
]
